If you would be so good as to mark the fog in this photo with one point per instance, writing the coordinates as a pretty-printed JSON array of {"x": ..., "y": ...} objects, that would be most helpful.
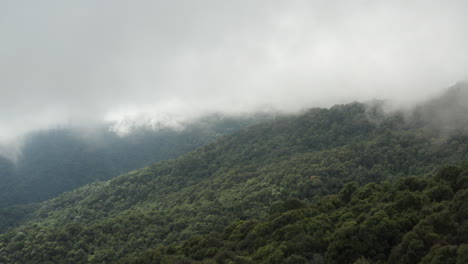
[{"x": 133, "y": 62}]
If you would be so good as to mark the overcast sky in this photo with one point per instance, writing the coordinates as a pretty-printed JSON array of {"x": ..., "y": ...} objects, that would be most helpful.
[{"x": 74, "y": 62}]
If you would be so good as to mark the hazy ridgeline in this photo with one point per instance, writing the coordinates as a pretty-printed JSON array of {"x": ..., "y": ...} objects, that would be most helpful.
[
  {"x": 261, "y": 195},
  {"x": 57, "y": 160},
  {"x": 202, "y": 132}
]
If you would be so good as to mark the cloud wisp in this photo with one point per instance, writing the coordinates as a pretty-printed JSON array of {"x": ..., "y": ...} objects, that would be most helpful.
[{"x": 86, "y": 61}]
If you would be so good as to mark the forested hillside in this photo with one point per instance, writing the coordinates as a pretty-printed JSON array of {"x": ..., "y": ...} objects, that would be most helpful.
[
  {"x": 417, "y": 219},
  {"x": 233, "y": 132},
  {"x": 58, "y": 160},
  {"x": 239, "y": 181}
]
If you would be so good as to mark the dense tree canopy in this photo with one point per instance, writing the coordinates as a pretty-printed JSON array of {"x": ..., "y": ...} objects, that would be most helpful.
[
  {"x": 419, "y": 219},
  {"x": 328, "y": 185}
]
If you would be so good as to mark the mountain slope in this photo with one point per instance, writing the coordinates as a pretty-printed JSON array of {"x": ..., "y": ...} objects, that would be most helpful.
[
  {"x": 240, "y": 176},
  {"x": 58, "y": 160},
  {"x": 418, "y": 219}
]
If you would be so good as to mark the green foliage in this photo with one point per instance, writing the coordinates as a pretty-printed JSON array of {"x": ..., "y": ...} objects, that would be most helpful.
[
  {"x": 260, "y": 196},
  {"x": 384, "y": 232}
]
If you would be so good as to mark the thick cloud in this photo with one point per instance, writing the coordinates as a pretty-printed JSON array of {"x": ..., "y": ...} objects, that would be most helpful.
[{"x": 65, "y": 62}]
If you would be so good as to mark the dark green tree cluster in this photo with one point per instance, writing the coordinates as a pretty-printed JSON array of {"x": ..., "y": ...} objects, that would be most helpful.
[
  {"x": 241, "y": 177},
  {"x": 414, "y": 220}
]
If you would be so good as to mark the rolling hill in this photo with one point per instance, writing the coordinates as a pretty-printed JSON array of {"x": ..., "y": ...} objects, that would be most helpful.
[
  {"x": 245, "y": 197},
  {"x": 57, "y": 160}
]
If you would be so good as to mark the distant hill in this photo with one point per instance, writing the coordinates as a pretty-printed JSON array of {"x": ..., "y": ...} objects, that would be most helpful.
[
  {"x": 58, "y": 160},
  {"x": 7, "y": 174},
  {"x": 245, "y": 180}
]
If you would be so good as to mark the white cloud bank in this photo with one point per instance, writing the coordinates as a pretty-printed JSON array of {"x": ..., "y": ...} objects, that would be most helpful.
[{"x": 85, "y": 61}]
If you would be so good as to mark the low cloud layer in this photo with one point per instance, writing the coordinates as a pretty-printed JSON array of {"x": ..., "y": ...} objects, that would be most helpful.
[{"x": 79, "y": 62}]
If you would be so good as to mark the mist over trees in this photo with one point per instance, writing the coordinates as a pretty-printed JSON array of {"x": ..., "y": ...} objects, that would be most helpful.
[
  {"x": 90, "y": 61},
  {"x": 326, "y": 185},
  {"x": 233, "y": 132},
  {"x": 57, "y": 160},
  {"x": 446, "y": 113}
]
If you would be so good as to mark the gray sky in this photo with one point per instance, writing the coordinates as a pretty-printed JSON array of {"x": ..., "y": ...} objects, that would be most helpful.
[{"x": 72, "y": 62}]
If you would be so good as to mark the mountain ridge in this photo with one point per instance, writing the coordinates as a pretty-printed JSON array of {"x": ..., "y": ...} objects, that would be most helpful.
[
  {"x": 240, "y": 176},
  {"x": 61, "y": 159}
]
